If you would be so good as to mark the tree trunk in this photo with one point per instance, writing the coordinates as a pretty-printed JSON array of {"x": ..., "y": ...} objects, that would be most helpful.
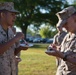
[{"x": 24, "y": 30}]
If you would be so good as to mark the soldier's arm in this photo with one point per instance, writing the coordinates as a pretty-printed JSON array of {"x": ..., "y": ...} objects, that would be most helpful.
[
  {"x": 71, "y": 59},
  {"x": 17, "y": 50}
]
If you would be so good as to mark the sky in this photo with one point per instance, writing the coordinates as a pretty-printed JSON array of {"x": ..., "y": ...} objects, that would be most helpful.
[
  {"x": 70, "y": 1},
  {"x": 18, "y": 29}
]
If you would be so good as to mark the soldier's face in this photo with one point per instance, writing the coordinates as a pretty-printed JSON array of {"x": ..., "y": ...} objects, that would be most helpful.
[
  {"x": 9, "y": 18},
  {"x": 65, "y": 26},
  {"x": 71, "y": 24}
]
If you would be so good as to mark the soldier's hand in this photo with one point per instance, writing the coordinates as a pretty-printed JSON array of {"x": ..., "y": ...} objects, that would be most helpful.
[
  {"x": 56, "y": 53},
  {"x": 19, "y": 36},
  {"x": 23, "y": 48},
  {"x": 53, "y": 46}
]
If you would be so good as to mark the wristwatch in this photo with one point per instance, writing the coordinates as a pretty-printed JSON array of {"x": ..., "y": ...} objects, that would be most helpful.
[{"x": 65, "y": 57}]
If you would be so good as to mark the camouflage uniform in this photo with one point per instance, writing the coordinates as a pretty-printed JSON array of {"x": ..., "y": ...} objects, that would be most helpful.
[
  {"x": 58, "y": 38},
  {"x": 68, "y": 48},
  {"x": 7, "y": 60}
]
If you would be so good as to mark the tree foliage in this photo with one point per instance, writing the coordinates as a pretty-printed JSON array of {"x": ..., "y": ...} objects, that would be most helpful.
[
  {"x": 46, "y": 31},
  {"x": 74, "y": 3}
]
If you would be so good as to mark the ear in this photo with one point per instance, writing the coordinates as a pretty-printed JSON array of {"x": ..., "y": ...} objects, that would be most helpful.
[
  {"x": 2, "y": 14},
  {"x": 74, "y": 17}
]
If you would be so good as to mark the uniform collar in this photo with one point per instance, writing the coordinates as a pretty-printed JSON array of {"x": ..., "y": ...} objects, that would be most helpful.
[{"x": 2, "y": 30}]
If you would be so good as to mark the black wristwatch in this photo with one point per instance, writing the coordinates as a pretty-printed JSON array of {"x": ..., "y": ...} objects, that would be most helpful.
[{"x": 65, "y": 58}]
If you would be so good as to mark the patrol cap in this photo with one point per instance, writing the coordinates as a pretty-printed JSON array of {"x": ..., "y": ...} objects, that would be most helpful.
[
  {"x": 64, "y": 15},
  {"x": 9, "y": 6}
]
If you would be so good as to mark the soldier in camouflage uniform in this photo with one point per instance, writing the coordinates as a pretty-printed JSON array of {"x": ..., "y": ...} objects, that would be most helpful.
[
  {"x": 8, "y": 48},
  {"x": 67, "y": 54},
  {"x": 58, "y": 38}
]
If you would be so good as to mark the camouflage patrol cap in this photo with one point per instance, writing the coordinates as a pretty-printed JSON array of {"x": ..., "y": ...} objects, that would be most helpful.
[
  {"x": 64, "y": 15},
  {"x": 9, "y": 6}
]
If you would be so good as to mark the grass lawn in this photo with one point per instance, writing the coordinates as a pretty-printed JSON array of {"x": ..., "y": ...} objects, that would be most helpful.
[{"x": 36, "y": 62}]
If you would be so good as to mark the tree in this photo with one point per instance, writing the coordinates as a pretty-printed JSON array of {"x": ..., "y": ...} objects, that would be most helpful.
[
  {"x": 74, "y": 2},
  {"x": 46, "y": 31},
  {"x": 37, "y": 12},
  {"x": 31, "y": 32}
]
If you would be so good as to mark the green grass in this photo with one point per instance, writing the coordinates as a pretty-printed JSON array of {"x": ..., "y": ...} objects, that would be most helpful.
[{"x": 36, "y": 62}]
